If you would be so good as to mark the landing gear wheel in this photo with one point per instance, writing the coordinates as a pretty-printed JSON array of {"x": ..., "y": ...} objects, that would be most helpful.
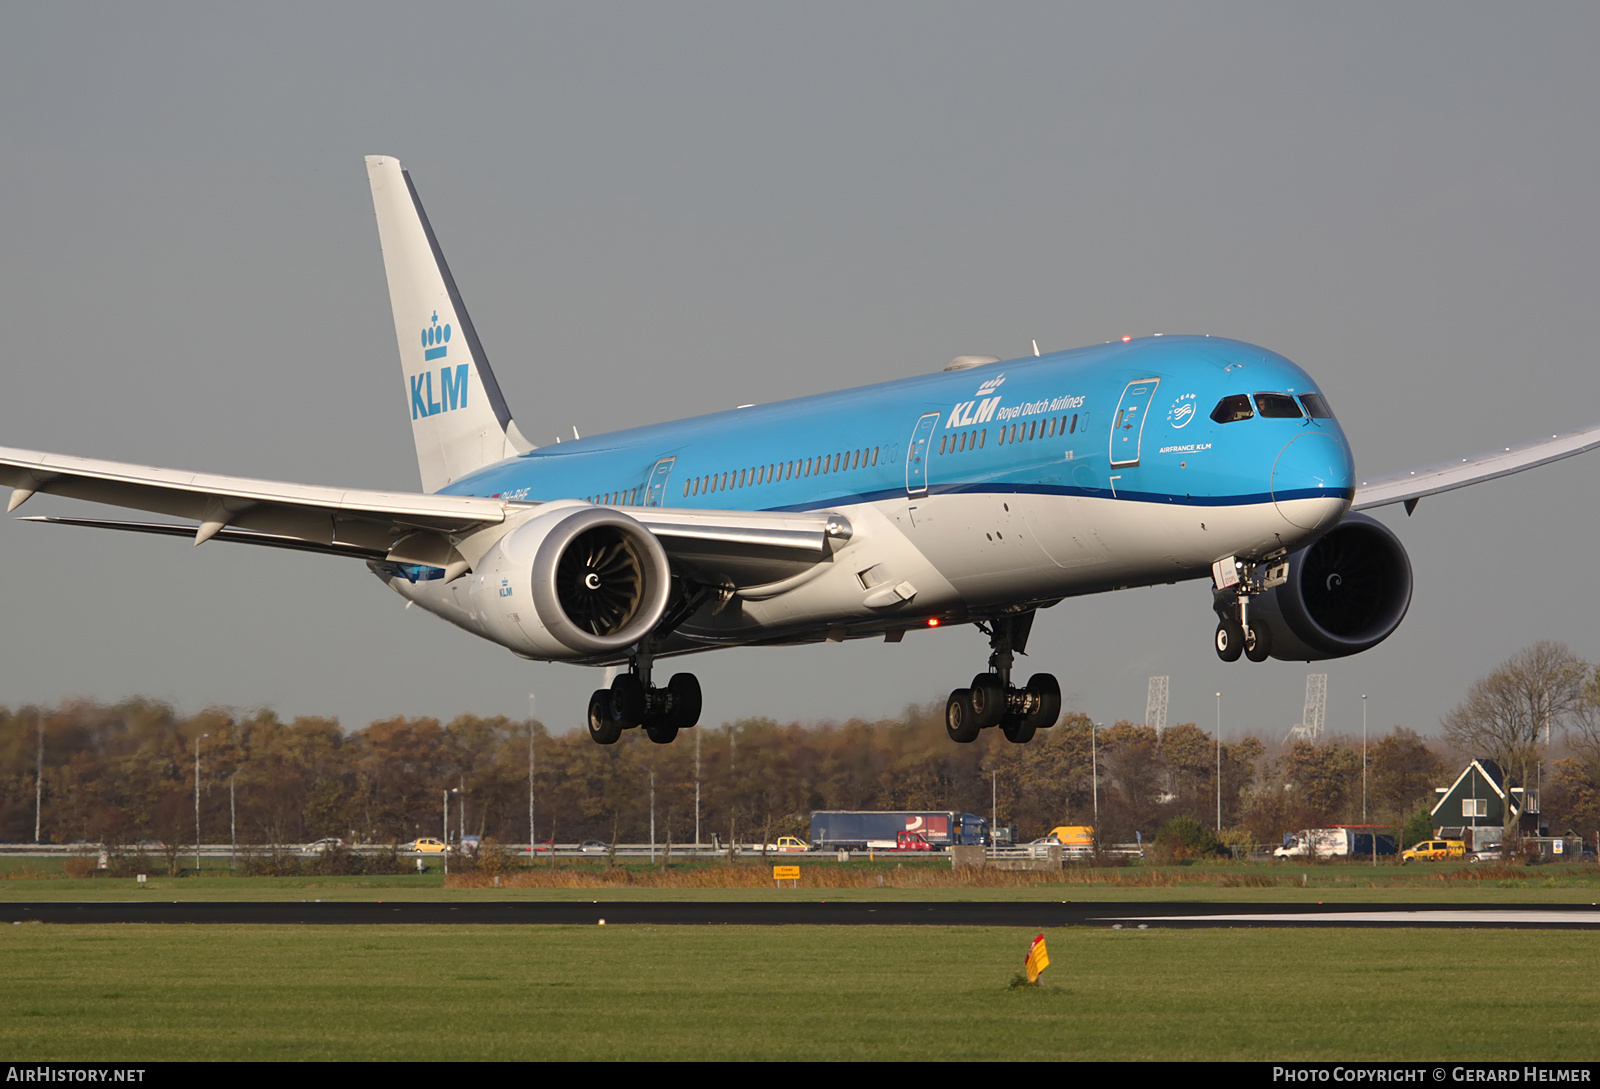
[
  {"x": 1230, "y": 641},
  {"x": 661, "y": 731},
  {"x": 627, "y": 701},
  {"x": 1044, "y": 699},
  {"x": 684, "y": 692},
  {"x": 1017, "y": 729},
  {"x": 988, "y": 700},
  {"x": 959, "y": 721},
  {"x": 1258, "y": 643},
  {"x": 603, "y": 726}
]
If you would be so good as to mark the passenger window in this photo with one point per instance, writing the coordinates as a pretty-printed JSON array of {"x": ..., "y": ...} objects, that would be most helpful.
[
  {"x": 1277, "y": 406},
  {"x": 1316, "y": 407},
  {"x": 1229, "y": 409}
]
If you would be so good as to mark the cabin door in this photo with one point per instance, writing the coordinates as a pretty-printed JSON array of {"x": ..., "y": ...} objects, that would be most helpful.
[
  {"x": 917, "y": 455},
  {"x": 656, "y": 490},
  {"x": 1127, "y": 425}
]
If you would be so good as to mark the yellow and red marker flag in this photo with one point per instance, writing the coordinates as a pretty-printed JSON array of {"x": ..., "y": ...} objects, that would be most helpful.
[{"x": 1037, "y": 960}]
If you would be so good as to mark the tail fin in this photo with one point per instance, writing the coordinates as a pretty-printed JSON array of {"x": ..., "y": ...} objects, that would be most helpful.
[{"x": 459, "y": 418}]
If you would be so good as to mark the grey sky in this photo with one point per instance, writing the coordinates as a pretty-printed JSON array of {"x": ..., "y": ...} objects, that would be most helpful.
[{"x": 658, "y": 210}]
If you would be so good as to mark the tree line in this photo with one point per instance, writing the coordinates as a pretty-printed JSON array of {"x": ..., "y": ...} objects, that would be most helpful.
[{"x": 124, "y": 774}]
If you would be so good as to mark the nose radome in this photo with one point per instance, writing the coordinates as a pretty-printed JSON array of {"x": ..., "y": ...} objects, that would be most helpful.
[{"x": 1312, "y": 479}]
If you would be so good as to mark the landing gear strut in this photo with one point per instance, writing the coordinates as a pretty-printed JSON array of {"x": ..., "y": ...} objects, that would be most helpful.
[
  {"x": 994, "y": 701},
  {"x": 633, "y": 701},
  {"x": 1234, "y": 582}
]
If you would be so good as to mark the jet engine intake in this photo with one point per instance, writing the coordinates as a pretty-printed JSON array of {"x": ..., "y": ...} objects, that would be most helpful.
[
  {"x": 1345, "y": 593},
  {"x": 573, "y": 582}
]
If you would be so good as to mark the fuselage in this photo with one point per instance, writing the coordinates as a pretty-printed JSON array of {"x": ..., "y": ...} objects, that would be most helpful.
[{"x": 1003, "y": 486}]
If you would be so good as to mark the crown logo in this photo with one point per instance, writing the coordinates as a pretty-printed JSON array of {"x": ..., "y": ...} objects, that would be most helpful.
[
  {"x": 434, "y": 339},
  {"x": 991, "y": 385}
]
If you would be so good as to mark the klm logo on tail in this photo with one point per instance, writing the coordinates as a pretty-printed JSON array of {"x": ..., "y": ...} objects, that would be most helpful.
[{"x": 452, "y": 380}]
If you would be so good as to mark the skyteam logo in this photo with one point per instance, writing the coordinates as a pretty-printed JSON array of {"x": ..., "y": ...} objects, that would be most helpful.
[
  {"x": 1181, "y": 412},
  {"x": 452, "y": 380}
]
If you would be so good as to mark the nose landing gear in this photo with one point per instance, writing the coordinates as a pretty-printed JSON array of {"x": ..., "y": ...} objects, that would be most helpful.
[{"x": 1234, "y": 582}]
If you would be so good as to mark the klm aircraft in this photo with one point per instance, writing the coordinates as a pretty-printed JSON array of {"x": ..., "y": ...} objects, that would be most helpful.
[{"x": 975, "y": 496}]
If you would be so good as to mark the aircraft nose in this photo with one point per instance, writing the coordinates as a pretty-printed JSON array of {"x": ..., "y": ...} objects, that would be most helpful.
[{"x": 1312, "y": 480}]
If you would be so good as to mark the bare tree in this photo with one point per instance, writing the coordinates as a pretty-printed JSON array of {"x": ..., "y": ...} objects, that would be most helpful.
[{"x": 1507, "y": 714}]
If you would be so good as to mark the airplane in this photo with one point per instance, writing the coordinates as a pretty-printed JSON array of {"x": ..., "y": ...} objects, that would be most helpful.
[{"x": 976, "y": 495}]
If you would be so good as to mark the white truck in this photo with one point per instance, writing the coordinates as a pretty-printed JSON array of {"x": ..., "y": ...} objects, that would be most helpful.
[{"x": 1346, "y": 841}]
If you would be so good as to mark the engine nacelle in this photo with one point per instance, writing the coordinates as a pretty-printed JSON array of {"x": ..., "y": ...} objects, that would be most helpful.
[
  {"x": 1345, "y": 594},
  {"x": 572, "y": 582}
]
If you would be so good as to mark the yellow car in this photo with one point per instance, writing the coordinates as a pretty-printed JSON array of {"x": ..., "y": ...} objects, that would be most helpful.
[
  {"x": 428, "y": 846},
  {"x": 1432, "y": 849},
  {"x": 791, "y": 843}
]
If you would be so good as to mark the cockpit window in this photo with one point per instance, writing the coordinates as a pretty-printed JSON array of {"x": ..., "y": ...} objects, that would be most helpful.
[
  {"x": 1232, "y": 408},
  {"x": 1316, "y": 407},
  {"x": 1277, "y": 406}
]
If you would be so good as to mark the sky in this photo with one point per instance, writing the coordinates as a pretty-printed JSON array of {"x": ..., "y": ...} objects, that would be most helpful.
[{"x": 655, "y": 211}]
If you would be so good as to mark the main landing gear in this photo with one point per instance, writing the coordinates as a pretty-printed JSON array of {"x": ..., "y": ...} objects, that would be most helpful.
[
  {"x": 994, "y": 701},
  {"x": 1234, "y": 582},
  {"x": 633, "y": 701}
]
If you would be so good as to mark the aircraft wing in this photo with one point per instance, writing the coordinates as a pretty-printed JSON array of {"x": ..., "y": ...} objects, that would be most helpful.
[
  {"x": 1410, "y": 487},
  {"x": 306, "y": 512},
  {"x": 737, "y": 548}
]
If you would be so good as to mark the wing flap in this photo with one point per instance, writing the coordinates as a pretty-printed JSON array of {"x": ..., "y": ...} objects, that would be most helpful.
[
  {"x": 268, "y": 505},
  {"x": 238, "y": 536}
]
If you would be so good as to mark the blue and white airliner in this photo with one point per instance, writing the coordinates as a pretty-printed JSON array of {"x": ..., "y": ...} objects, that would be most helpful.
[{"x": 977, "y": 495}]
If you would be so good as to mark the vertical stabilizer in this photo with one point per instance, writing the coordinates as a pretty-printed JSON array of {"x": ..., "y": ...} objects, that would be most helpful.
[{"x": 459, "y": 418}]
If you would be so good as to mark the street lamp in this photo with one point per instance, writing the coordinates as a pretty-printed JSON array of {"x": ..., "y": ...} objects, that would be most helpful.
[
  {"x": 994, "y": 805},
  {"x": 1363, "y": 758},
  {"x": 447, "y": 793},
  {"x": 1094, "y": 774},
  {"x": 1219, "y": 762},
  {"x": 197, "y": 800},
  {"x": 532, "y": 838}
]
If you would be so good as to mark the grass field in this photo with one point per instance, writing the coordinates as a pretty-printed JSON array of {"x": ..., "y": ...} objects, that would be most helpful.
[{"x": 129, "y": 993}]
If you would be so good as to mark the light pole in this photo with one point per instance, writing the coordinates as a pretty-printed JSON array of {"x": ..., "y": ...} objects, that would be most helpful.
[
  {"x": 1219, "y": 762},
  {"x": 1363, "y": 758},
  {"x": 38, "y": 779},
  {"x": 1094, "y": 774},
  {"x": 447, "y": 794},
  {"x": 532, "y": 838},
  {"x": 197, "y": 800}
]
